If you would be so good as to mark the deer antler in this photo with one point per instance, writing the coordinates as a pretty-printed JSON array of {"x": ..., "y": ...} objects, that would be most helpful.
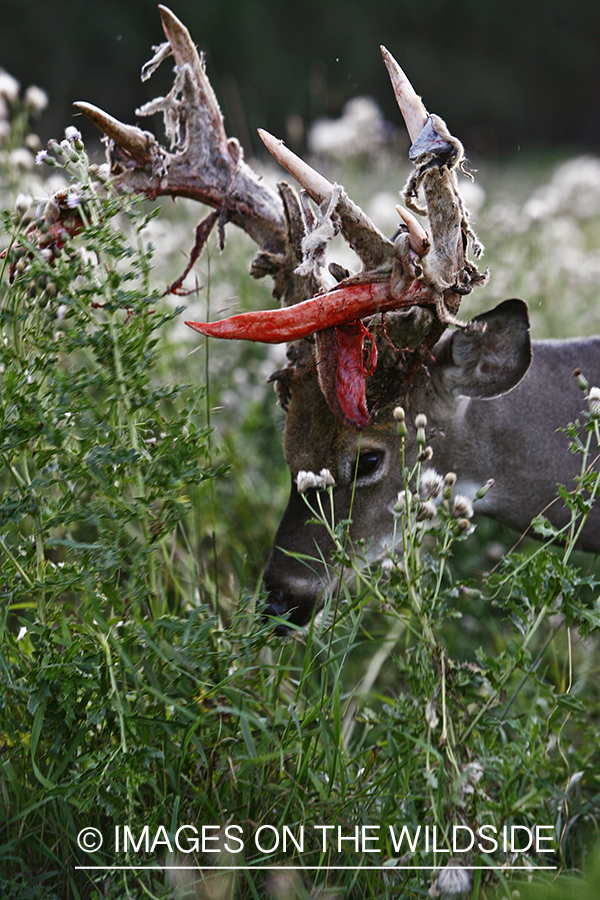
[
  {"x": 413, "y": 271},
  {"x": 205, "y": 165},
  {"x": 396, "y": 276}
]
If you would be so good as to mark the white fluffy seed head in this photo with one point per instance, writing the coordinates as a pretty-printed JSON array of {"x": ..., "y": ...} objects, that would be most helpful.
[
  {"x": 463, "y": 526},
  {"x": 9, "y": 86},
  {"x": 427, "y": 510},
  {"x": 454, "y": 879},
  {"x": 594, "y": 402},
  {"x": 307, "y": 481},
  {"x": 36, "y": 99},
  {"x": 22, "y": 204},
  {"x": 462, "y": 508},
  {"x": 326, "y": 478},
  {"x": 403, "y": 501},
  {"x": 431, "y": 484}
]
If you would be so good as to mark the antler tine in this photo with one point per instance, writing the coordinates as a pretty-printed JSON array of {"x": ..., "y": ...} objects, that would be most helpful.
[
  {"x": 411, "y": 105},
  {"x": 371, "y": 246},
  {"x": 185, "y": 52},
  {"x": 184, "y": 49},
  {"x": 419, "y": 239},
  {"x": 135, "y": 141},
  {"x": 317, "y": 185}
]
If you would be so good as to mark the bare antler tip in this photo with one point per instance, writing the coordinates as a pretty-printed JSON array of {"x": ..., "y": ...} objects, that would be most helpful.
[
  {"x": 411, "y": 105},
  {"x": 137, "y": 142},
  {"x": 419, "y": 239},
  {"x": 390, "y": 62},
  {"x": 172, "y": 26},
  {"x": 316, "y": 185},
  {"x": 272, "y": 143},
  {"x": 94, "y": 114}
]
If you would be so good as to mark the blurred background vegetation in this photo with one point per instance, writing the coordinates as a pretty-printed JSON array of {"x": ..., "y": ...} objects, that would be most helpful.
[{"x": 507, "y": 75}]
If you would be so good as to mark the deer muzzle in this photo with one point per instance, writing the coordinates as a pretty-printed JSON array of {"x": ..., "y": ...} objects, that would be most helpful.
[{"x": 296, "y": 578}]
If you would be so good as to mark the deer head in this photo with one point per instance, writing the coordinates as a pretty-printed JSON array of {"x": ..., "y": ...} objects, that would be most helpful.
[{"x": 367, "y": 466}]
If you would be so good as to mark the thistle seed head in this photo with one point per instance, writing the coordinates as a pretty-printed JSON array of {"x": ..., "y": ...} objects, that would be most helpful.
[
  {"x": 36, "y": 99},
  {"x": 431, "y": 484},
  {"x": 454, "y": 878},
  {"x": 463, "y": 526},
  {"x": 462, "y": 508},
  {"x": 427, "y": 510},
  {"x": 594, "y": 402},
  {"x": 22, "y": 204},
  {"x": 9, "y": 86},
  {"x": 582, "y": 382},
  {"x": 403, "y": 501},
  {"x": 307, "y": 481},
  {"x": 326, "y": 478}
]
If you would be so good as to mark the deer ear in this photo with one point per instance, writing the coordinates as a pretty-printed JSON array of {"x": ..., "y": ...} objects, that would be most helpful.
[{"x": 488, "y": 359}]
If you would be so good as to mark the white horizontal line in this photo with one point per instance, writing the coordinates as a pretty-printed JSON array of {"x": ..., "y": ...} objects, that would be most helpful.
[{"x": 306, "y": 868}]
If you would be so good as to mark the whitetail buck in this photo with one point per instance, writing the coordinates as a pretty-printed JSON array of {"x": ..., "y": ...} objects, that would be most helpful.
[{"x": 493, "y": 400}]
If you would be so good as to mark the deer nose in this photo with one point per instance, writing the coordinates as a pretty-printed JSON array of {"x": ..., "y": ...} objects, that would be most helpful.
[
  {"x": 278, "y": 606},
  {"x": 283, "y": 603}
]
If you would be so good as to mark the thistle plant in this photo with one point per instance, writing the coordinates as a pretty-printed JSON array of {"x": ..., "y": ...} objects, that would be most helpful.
[{"x": 88, "y": 449}]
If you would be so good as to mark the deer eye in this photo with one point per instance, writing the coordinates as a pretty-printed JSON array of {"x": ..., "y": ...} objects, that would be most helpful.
[{"x": 368, "y": 463}]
